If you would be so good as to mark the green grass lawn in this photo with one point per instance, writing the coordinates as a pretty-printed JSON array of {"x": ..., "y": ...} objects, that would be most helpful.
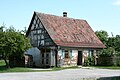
[
  {"x": 2, "y": 63},
  {"x": 107, "y": 67},
  {"x": 62, "y": 68},
  {"x": 3, "y": 68},
  {"x": 22, "y": 69}
]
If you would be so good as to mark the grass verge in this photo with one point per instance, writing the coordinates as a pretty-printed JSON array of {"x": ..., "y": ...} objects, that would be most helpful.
[
  {"x": 62, "y": 68},
  {"x": 3, "y": 68},
  {"x": 107, "y": 67}
]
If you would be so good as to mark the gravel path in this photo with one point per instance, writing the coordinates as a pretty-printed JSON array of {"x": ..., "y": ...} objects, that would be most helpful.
[{"x": 68, "y": 74}]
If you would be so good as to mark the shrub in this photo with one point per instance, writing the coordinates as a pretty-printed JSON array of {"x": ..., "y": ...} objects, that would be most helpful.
[
  {"x": 89, "y": 61},
  {"x": 86, "y": 62},
  {"x": 107, "y": 52}
]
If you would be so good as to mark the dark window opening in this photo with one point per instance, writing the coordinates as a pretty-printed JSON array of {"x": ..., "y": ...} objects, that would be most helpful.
[
  {"x": 67, "y": 54},
  {"x": 47, "y": 61},
  {"x": 42, "y": 61},
  {"x": 42, "y": 55},
  {"x": 47, "y": 55}
]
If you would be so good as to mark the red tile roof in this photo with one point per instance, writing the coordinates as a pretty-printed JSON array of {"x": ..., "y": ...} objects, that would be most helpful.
[{"x": 70, "y": 32}]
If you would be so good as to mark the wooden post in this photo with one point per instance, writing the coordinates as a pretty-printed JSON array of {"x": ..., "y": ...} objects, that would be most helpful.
[
  {"x": 56, "y": 58},
  {"x": 95, "y": 57}
]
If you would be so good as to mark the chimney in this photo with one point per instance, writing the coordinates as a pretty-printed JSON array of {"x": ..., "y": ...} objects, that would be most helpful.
[{"x": 64, "y": 14}]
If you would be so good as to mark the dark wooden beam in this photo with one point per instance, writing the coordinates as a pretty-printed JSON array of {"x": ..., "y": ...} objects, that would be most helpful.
[{"x": 56, "y": 60}]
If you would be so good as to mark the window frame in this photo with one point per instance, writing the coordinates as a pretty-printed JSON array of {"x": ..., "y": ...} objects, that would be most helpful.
[{"x": 67, "y": 55}]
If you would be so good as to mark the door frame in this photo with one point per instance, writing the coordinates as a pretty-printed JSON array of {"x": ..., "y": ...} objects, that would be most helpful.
[
  {"x": 45, "y": 59},
  {"x": 79, "y": 58}
]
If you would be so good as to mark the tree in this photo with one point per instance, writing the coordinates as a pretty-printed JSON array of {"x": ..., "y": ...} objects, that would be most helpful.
[
  {"x": 1, "y": 29},
  {"x": 12, "y": 43},
  {"x": 117, "y": 44},
  {"x": 103, "y": 36},
  {"x": 114, "y": 42},
  {"x": 24, "y": 31}
]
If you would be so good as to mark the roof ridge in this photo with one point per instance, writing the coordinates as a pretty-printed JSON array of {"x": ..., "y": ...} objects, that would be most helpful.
[{"x": 59, "y": 16}]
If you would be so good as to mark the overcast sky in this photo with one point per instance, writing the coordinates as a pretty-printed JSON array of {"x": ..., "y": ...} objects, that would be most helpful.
[{"x": 100, "y": 14}]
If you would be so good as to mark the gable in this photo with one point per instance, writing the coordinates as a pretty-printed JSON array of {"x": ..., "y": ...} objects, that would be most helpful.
[{"x": 37, "y": 34}]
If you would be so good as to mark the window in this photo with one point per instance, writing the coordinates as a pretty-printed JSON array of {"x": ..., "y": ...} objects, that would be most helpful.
[
  {"x": 47, "y": 61},
  {"x": 42, "y": 55},
  {"x": 42, "y": 61},
  {"x": 90, "y": 53},
  {"x": 67, "y": 54},
  {"x": 47, "y": 55}
]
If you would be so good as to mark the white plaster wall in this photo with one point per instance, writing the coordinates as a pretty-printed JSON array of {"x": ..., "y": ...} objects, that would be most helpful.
[
  {"x": 60, "y": 54},
  {"x": 52, "y": 61},
  {"x": 85, "y": 54},
  {"x": 35, "y": 52},
  {"x": 74, "y": 53},
  {"x": 74, "y": 57}
]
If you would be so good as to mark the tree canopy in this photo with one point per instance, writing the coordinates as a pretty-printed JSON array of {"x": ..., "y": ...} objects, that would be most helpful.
[
  {"x": 112, "y": 43},
  {"x": 12, "y": 43},
  {"x": 103, "y": 36}
]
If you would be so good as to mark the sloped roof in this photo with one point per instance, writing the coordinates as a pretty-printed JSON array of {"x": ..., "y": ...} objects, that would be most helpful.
[{"x": 70, "y": 32}]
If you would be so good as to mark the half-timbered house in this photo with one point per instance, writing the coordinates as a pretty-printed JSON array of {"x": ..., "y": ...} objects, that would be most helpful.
[{"x": 61, "y": 41}]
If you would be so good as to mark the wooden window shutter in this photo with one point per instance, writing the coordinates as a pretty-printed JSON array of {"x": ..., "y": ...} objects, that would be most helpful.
[{"x": 70, "y": 54}]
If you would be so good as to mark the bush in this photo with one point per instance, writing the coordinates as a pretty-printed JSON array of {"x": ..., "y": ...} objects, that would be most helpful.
[
  {"x": 86, "y": 62},
  {"x": 117, "y": 53},
  {"x": 92, "y": 61},
  {"x": 107, "y": 52},
  {"x": 118, "y": 63},
  {"x": 89, "y": 61}
]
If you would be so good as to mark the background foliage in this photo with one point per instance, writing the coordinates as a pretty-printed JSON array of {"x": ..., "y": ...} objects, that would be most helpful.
[
  {"x": 12, "y": 42},
  {"x": 112, "y": 43},
  {"x": 111, "y": 54}
]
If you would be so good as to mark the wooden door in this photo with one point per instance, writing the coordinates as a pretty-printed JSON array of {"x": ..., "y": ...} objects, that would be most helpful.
[
  {"x": 45, "y": 58},
  {"x": 79, "y": 61}
]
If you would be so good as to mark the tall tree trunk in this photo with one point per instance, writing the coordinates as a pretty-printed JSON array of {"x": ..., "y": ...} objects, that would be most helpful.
[{"x": 6, "y": 62}]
